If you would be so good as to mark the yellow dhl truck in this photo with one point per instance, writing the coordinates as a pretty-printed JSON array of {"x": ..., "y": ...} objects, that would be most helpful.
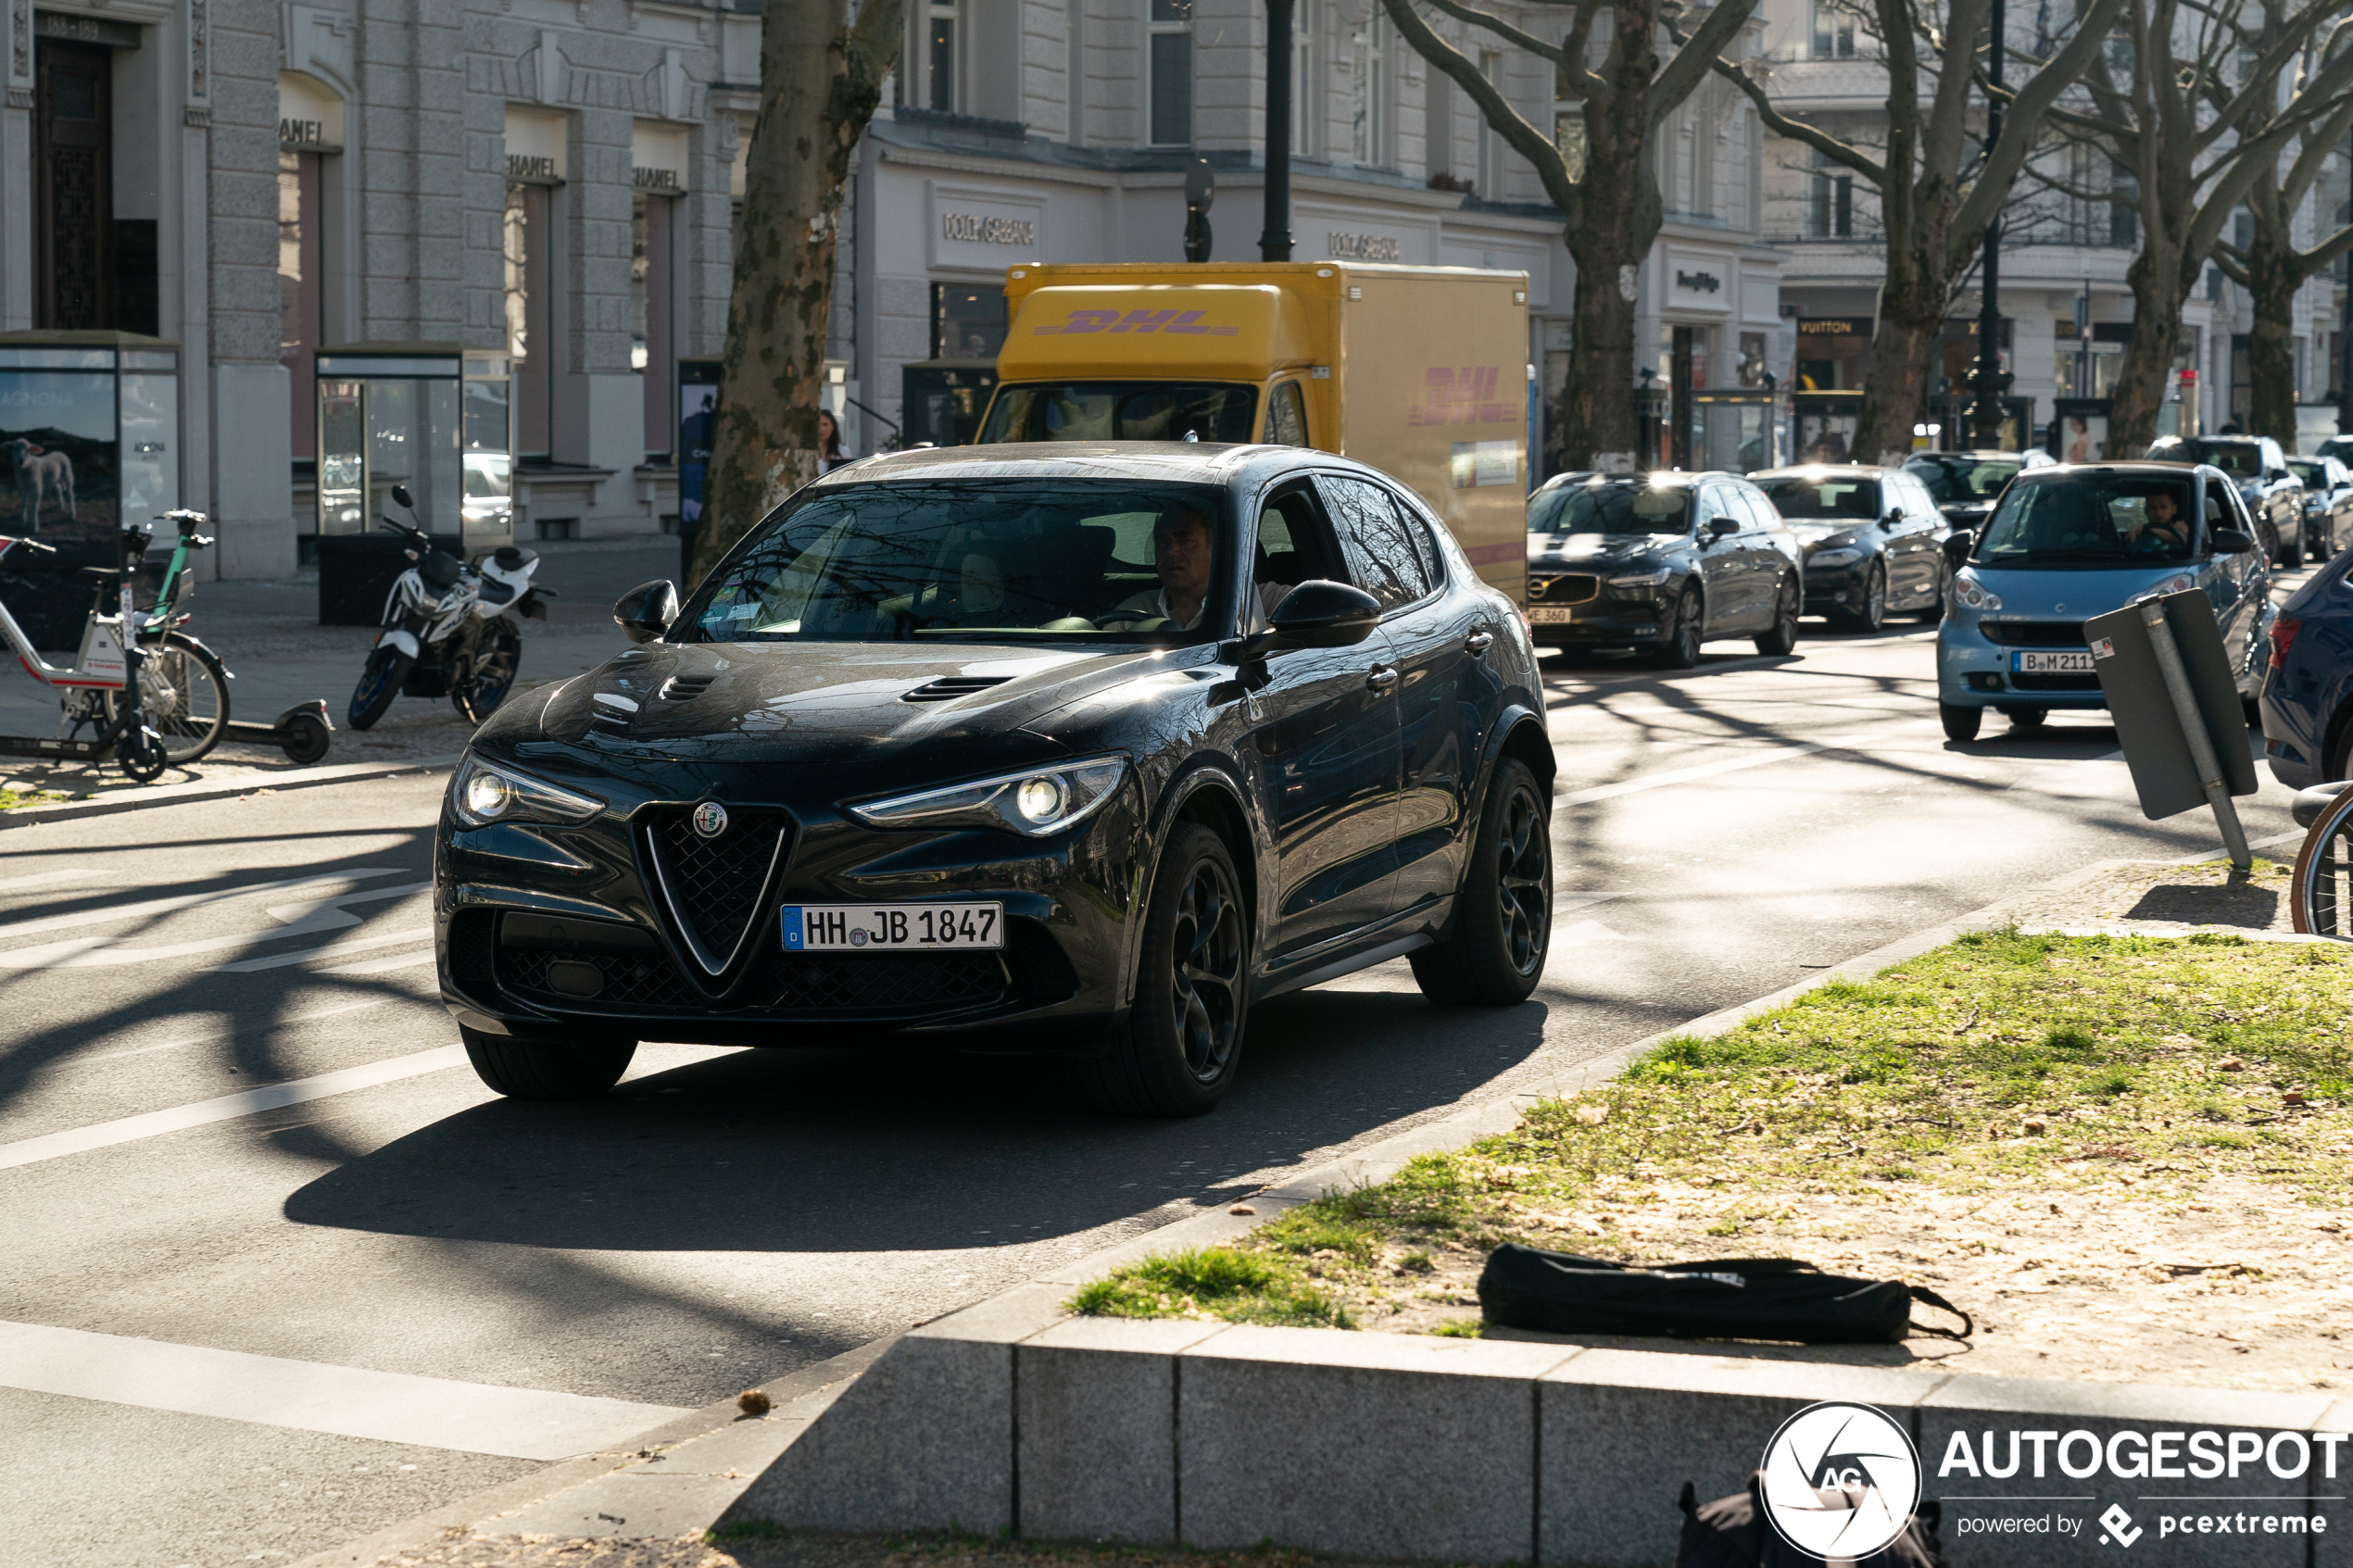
[{"x": 1418, "y": 371}]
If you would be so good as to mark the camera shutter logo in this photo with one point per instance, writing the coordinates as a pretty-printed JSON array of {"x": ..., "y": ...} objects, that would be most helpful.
[
  {"x": 1841, "y": 1480},
  {"x": 710, "y": 819}
]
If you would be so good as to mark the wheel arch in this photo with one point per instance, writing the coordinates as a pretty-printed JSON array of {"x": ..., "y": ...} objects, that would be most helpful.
[{"x": 1207, "y": 792}]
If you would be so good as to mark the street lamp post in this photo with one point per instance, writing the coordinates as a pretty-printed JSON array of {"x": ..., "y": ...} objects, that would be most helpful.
[
  {"x": 1987, "y": 415},
  {"x": 1274, "y": 245}
]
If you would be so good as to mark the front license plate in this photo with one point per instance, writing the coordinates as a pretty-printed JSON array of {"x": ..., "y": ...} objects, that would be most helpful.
[
  {"x": 1548, "y": 615},
  {"x": 890, "y": 928},
  {"x": 2063, "y": 661}
]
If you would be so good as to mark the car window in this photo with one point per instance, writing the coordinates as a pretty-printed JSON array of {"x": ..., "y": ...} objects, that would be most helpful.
[
  {"x": 1610, "y": 505},
  {"x": 2239, "y": 459},
  {"x": 994, "y": 559},
  {"x": 1292, "y": 543},
  {"x": 2096, "y": 518},
  {"x": 1961, "y": 478},
  {"x": 1377, "y": 539},
  {"x": 1812, "y": 498},
  {"x": 1287, "y": 417}
]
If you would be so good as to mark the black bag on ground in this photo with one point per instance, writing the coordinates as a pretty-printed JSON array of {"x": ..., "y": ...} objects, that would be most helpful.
[
  {"x": 1715, "y": 1298},
  {"x": 1731, "y": 1532}
]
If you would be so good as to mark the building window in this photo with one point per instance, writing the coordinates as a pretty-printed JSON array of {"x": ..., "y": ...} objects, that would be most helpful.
[
  {"x": 1369, "y": 92},
  {"x": 1832, "y": 213},
  {"x": 528, "y": 340},
  {"x": 941, "y": 56},
  {"x": 1306, "y": 92},
  {"x": 2123, "y": 222},
  {"x": 1170, "y": 39},
  {"x": 1833, "y": 30},
  {"x": 298, "y": 278},
  {"x": 652, "y": 350},
  {"x": 1488, "y": 180},
  {"x": 967, "y": 321}
]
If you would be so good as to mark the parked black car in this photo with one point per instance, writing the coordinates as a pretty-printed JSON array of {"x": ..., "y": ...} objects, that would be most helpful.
[
  {"x": 2328, "y": 504},
  {"x": 1016, "y": 747},
  {"x": 1661, "y": 562},
  {"x": 1966, "y": 485},
  {"x": 2274, "y": 498},
  {"x": 1873, "y": 540}
]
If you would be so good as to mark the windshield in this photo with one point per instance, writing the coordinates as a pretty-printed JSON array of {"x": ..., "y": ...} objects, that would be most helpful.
[
  {"x": 2113, "y": 520},
  {"x": 2239, "y": 459},
  {"x": 1803, "y": 499},
  {"x": 1962, "y": 479},
  {"x": 1122, "y": 412},
  {"x": 1610, "y": 506},
  {"x": 981, "y": 559},
  {"x": 2312, "y": 474}
]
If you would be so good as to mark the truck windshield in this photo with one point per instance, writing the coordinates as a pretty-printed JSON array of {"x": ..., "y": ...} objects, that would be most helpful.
[
  {"x": 996, "y": 560},
  {"x": 2081, "y": 522},
  {"x": 1122, "y": 412},
  {"x": 1610, "y": 506}
]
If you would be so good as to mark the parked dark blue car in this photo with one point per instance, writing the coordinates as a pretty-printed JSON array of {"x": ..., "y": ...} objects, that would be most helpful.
[{"x": 2307, "y": 697}]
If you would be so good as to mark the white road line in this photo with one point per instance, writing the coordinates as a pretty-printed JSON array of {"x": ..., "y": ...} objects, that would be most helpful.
[
  {"x": 1685, "y": 775},
  {"x": 225, "y": 1033},
  {"x": 295, "y": 1091},
  {"x": 300, "y": 920},
  {"x": 187, "y": 901},
  {"x": 334, "y": 950},
  {"x": 429, "y": 1412},
  {"x": 381, "y": 966},
  {"x": 50, "y": 879}
]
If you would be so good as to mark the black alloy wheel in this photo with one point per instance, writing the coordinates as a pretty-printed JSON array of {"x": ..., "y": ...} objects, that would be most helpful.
[
  {"x": 1503, "y": 924},
  {"x": 379, "y": 684},
  {"x": 2292, "y": 549},
  {"x": 1183, "y": 1042},
  {"x": 1782, "y": 640},
  {"x": 538, "y": 1070},
  {"x": 1960, "y": 719},
  {"x": 1871, "y": 614},
  {"x": 1680, "y": 650}
]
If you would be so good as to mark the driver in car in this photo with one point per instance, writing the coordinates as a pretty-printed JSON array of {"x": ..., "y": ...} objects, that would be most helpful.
[
  {"x": 2162, "y": 526},
  {"x": 1183, "y": 542}
]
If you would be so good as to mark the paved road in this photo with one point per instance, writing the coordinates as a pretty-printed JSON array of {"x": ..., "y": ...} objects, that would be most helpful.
[{"x": 224, "y": 1306}]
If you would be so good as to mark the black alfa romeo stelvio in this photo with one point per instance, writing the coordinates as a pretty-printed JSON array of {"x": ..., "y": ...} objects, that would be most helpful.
[{"x": 1061, "y": 748}]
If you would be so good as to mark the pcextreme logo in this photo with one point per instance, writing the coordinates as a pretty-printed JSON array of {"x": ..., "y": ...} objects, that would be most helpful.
[
  {"x": 1841, "y": 1480},
  {"x": 2119, "y": 1524}
]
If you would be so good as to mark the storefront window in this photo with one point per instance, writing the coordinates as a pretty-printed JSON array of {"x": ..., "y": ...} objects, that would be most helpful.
[
  {"x": 525, "y": 265},
  {"x": 298, "y": 280},
  {"x": 967, "y": 321},
  {"x": 651, "y": 344},
  {"x": 1172, "y": 73},
  {"x": 1832, "y": 353},
  {"x": 1369, "y": 92},
  {"x": 940, "y": 63}
]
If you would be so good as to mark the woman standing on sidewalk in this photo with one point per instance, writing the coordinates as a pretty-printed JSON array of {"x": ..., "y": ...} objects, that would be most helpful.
[{"x": 830, "y": 453}]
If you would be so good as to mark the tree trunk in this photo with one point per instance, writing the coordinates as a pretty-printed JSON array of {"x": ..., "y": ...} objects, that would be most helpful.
[
  {"x": 2272, "y": 277},
  {"x": 1618, "y": 213},
  {"x": 820, "y": 79},
  {"x": 2157, "y": 297},
  {"x": 1905, "y": 347}
]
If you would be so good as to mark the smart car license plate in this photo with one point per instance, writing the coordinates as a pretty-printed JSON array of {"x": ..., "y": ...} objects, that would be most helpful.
[
  {"x": 889, "y": 928},
  {"x": 1548, "y": 615},
  {"x": 2057, "y": 661}
]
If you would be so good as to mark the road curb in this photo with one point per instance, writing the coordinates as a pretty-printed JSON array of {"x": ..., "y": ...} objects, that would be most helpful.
[
  {"x": 208, "y": 789},
  {"x": 1014, "y": 1312}
]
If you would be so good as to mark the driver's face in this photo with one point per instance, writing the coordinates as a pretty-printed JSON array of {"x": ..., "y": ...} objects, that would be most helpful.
[
  {"x": 1180, "y": 551},
  {"x": 2160, "y": 509}
]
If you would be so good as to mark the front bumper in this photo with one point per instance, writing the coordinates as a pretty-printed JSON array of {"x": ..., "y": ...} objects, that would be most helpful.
[
  {"x": 1833, "y": 589},
  {"x": 1600, "y": 616},
  {"x": 1973, "y": 670},
  {"x": 553, "y": 933}
]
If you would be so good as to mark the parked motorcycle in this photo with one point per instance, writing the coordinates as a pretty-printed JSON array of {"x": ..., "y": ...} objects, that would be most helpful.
[{"x": 449, "y": 626}]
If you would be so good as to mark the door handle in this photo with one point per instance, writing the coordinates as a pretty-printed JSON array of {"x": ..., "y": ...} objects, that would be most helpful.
[
  {"x": 1382, "y": 678},
  {"x": 1480, "y": 642}
]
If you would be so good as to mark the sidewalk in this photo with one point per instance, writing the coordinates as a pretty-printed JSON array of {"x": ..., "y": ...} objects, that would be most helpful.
[{"x": 268, "y": 633}]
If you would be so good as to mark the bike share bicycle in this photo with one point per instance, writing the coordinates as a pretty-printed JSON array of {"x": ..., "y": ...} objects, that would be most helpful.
[{"x": 155, "y": 699}]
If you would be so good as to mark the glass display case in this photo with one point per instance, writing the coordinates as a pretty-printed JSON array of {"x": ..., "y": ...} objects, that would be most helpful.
[
  {"x": 1733, "y": 431},
  {"x": 436, "y": 418}
]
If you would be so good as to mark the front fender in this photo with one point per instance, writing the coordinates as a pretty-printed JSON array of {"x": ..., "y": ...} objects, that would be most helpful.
[
  {"x": 400, "y": 637},
  {"x": 1210, "y": 773}
]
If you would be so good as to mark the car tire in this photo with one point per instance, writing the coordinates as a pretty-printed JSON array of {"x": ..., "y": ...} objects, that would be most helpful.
[
  {"x": 2292, "y": 551},
  {"x": 1680, "y": 650},
  {"x": 1182, "y": 1044},
  {"x": 1781, "y": 641},
  {"x": 1873, "y": 613},
  {"x": 2025, "y": 718},
  {"x": 538, "y": 1070},
  {"x": 1960, "y": 719},
  {"x": 1502, "y": 927}
]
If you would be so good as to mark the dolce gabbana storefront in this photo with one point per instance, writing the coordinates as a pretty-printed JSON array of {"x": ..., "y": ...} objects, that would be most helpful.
[{"x": 937, "y": 225}]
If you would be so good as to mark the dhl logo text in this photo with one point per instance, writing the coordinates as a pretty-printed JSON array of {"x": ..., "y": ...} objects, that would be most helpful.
[{"x": 1183, "y": 322}]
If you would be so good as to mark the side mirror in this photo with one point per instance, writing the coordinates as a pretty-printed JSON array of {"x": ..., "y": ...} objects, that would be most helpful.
[
  {"x": 2231, "y": 542},
  {"x": 1722, "y": 527},
  {"x": 400, "y": 495},
  {"x": 1320, "y": 614},
  {"x": 645, "y": 612},
  {"x": 1894, "y": 515}
]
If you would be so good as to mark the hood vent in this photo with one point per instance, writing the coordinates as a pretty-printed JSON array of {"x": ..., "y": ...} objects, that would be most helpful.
[
  {"x": 948, "y": 688},
  {"x": 685, "y": 688}
]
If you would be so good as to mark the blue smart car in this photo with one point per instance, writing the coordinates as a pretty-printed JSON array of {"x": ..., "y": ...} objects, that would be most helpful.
[{"x": 2080, "y": 540}]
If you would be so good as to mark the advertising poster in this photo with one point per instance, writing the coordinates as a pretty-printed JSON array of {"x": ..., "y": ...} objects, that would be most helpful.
[
  {"x": 1826, "y": 438},
  {"x": 2082, "y": 438},
  {"x": 57, "y": 462},
  {"x": 696, "y": 406}
]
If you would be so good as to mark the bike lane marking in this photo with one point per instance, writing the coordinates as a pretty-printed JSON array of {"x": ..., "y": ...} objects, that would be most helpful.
[
  {"x": 297, "y": 919},
  {"x": 188, "y": 900},
  {"x": 388, "y": 1407}
]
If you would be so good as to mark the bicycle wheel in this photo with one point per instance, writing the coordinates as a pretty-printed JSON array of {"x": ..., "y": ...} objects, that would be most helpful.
[
  {"x": 185, "y": 690},
  {"x": 2320, "y": 888}
]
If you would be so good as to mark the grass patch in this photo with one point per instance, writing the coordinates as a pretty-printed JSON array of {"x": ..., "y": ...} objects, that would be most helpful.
[
  {"x": 11, "y": 798},
  {"x": 1999, "y": 1063}
]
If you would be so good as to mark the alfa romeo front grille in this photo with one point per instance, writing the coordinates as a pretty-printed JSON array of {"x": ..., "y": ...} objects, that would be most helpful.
[{"x": 716, "y": 886}]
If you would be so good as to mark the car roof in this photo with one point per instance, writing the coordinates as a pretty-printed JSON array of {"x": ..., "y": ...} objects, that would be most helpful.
[
  {"x": 1198, "y": 462},
  {"x": 2136, "y": 467},
  {"x": 1974, "y": 455},
  {"x": 1656, "y": 478},
  {"x": 1823, "y": 470}
]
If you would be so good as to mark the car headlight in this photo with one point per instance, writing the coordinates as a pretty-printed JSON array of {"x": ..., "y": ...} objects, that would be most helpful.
[
  {"x": 481, "y": 793},
  {"x": 1640, "y": 579},
  {"x": 2180, "y": 583},
  {"x": 1034, "y": 804},
  {"x": 1969, "y": 592}
]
